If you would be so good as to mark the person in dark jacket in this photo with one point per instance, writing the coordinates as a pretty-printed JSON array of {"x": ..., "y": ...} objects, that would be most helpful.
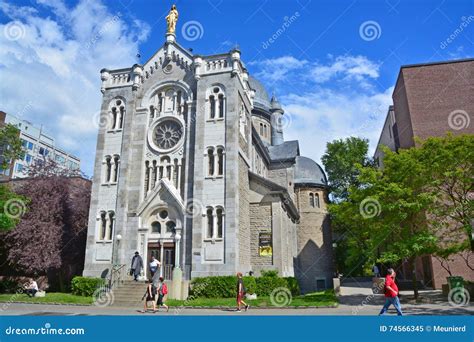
[
  {"x": 137, "y": 265},
  {"x": 240, "y": 292}
]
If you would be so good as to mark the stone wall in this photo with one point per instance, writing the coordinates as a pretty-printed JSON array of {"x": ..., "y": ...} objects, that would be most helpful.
[
  {"x": 244, "y": 214},
  {"x": 260, "y": 221},
  {"x": 314, "y": 259}
]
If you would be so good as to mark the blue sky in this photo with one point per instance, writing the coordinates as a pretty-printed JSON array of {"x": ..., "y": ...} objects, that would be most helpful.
[{"x": 331, "y": 63}]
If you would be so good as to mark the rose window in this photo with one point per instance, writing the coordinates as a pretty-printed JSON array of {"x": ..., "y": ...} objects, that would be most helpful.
[{"x": 167, "y": 134}]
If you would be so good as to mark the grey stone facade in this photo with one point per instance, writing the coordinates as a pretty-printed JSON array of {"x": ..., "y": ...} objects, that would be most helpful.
[{"x": 191, "y": 166}]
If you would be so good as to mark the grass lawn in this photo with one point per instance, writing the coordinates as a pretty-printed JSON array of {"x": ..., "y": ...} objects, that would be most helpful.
[
  {"x": 51, "y": 297},
  {"x": 323, "y": 298}
]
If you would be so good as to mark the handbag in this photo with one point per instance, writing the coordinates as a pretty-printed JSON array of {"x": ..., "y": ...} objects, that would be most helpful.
[{"x": 131, "y": 271}]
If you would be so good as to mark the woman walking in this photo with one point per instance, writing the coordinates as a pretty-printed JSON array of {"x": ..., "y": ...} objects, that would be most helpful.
[
  {"x": 240, "y": 293},
  {"x": 149, "y": 296}
]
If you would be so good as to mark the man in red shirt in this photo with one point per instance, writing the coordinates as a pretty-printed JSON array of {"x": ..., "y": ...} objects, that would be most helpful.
[{"x": 391, "y": 293}]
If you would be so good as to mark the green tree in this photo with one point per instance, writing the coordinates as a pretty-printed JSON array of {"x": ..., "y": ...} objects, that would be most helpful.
[
  {"x": 420, "y": 203},
  {"x": 340, "y": 162},
  {"x": 10, "y": 145}
]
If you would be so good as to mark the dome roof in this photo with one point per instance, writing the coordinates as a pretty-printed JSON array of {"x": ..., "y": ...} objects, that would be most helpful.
[
  {"x": 307, "y": 171},
  {"x": 261, "y": 100}
]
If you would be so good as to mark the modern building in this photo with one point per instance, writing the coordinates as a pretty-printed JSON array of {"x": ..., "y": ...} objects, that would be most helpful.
[
  {"x": 37, "y": 145},
  {"x": 430, "y": 100},
  {"x": 192, "y": 167}
]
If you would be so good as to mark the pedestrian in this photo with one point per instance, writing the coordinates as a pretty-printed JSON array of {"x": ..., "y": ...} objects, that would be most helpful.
[
  {"x": 149, "y": 296},
  {"x": 391, "y": 293},
  {"x": 154, "y": 266},
  {"x": 376, "y": 271},
  {"x": 137, "y": 265},
  {"x": 31, "y": 288},
  {"x": 240, "y": 293},
  {"x": 162, "y": 292}
]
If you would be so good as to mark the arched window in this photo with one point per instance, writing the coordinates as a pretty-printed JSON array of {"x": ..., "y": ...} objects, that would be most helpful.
[
  {"x": 261, "y": 129},
  {"x": 221, "y": 105},
  {"x": 102, "y": 225},
  {"x": 116, "y": 169},
  {"x": 210, "y": 222},
  {"x": 170, "y": 227},
  {"x": 147, "y": 177},
  {"x": 220, "y": 222},
  {"x": 156, "y": 227},
  {"x": 111, "y": 225},
  {"x": 114, "y": 117},
  {"x": 210, "y": 157},
  {"x": 179, "y": 100},
  {"x": 108, "y": 169},
  {"x": 316, "y": 200},
  {"x": 122, "y": 114},
  {"x": 311, "y": 200},
  {"x": 220, "y": 161},
  {"x": 212, "y": 104}
]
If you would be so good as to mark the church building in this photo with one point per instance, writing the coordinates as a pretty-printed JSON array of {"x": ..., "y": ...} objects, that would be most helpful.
[{"x": 192, "y": 167}]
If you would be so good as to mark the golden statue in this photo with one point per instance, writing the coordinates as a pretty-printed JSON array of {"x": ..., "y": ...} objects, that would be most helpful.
[{"x": 172, "y": 19}]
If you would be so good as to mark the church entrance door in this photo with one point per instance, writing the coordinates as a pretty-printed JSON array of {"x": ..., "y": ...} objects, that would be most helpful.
[{"x": 164, "y": 252}]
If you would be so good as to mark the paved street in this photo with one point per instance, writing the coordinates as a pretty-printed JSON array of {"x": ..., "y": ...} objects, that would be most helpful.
[{"x": 355, "y": 300}]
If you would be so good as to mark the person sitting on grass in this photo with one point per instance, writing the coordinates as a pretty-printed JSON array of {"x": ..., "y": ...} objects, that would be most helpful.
[
  {"x": 31, "y": 288},
  {"x": 240, "y": 293},
  {"x": 162, "y": 292},
  {"x": 149, "y": 296}
]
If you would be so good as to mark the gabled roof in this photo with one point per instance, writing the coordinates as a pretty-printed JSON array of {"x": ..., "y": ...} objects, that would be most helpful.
[
  {"x": 164, "y": 185},
  {"x": 276, "y": 189},
  {"x": 287, "y": 151}
]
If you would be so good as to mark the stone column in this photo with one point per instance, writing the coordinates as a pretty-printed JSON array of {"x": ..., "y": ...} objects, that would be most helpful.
[{"x": 162, "y": 255}]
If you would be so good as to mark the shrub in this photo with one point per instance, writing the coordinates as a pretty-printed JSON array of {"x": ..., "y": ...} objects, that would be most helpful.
[
  {"x": 293, "y": 286},
  {"x": 220, "y": 286},
  {"x": 9, "y": 286},
  {"x": 85, "y": 286},
  {"x": 270, "y": 273},
  {"x": 266, "y": 284}
]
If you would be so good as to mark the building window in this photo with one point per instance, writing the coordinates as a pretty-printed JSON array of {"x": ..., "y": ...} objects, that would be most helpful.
[
  {"x": 102, "y": 225},
  {"x": 170, "y": 227},
  {"x": 210, "y": 223},
  {"x": 210, "y": 159},
  {"x": 111, "y": 225},
  {"x": 216, "y": 104},
  {"x": 117, "y": 112},
  {"x": 116, "y": 168},
  {"x": 261, "y": 129},
  {"x": 220, "y": 222},
  {"x": 316, "y": 200},
  {"x": 221, "y": 105},
  {"x": 212, "y": 104},
  {"x": 156, "y": 227},
  {"x": 220, "y": 161},
  {"x": 108, "y": 169}
]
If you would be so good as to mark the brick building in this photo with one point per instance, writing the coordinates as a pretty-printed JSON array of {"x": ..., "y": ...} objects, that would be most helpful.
[{"x": 430, "y": 100}]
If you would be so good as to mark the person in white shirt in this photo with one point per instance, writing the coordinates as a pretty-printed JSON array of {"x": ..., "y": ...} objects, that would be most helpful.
[
  {"x": 154, "y": 265},
  {"x": 32, "y": 288}
]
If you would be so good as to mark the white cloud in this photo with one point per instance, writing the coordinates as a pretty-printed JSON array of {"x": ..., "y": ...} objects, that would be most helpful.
[
  {"x": 274, "y": 70},
  {"x": 50, "y": 69},
  {"x": 327, "y": 101}
]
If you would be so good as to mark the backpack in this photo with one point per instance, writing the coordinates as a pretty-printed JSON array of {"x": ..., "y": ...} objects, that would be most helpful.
[{"x": 164, "y": 289}]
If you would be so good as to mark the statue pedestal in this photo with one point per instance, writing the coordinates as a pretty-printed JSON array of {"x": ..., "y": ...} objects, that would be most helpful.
[
  {"x": 170, "y": 37},
  {"x": 177, "y": 283}
]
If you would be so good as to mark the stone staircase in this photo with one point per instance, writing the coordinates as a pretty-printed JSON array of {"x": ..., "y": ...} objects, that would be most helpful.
[{"x": 129, "y": 294}]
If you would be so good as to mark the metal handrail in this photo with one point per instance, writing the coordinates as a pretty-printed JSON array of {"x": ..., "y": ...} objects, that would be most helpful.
[{"x": 115, "y": 276}]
